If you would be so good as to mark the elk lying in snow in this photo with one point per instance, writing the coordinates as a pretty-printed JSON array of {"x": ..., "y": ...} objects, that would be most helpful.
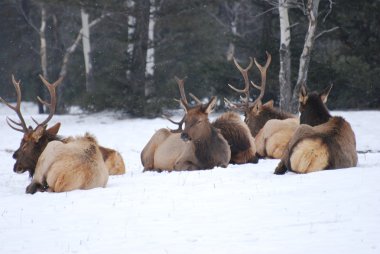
[
  {"x": 321, "y": 141},
  {"x": 41, "y": 140},
  {"x": 74, "y": 164},
  {"x": 199, "y": 146},
  {"x": 273, "y": 138},
  {"x": 204, "y": 145},
  {"x": 256, "y": 113}
]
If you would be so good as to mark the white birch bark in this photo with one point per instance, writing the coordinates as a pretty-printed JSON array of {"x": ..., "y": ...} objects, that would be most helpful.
[
  {"x": 86, "y": 48},
  {"x": 73, "y": 46},
  {"x": 150, "y": 52},
  {"x": 285, "y": 57},
  {"x": 43, "y": 53},
  {"x": 131, "y": 31},
  {"x": 312, "y": 12}
]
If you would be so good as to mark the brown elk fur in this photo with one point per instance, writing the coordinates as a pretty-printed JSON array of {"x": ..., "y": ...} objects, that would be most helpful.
[
  {"x": 321, "y": 142},
  {"x": 260, "y": 113},
  {"x": 113, "y": 160},
  {"x": 76, "y": 163},
  {"x": 238, "y": 136},
  {"x": 199, "y": 146},
  {"x": 165, "y": 150},
  {"x": 273, "y": 138}
]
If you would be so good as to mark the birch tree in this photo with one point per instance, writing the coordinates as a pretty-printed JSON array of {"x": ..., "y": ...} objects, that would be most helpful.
[
  {"x": 288, "y": 92},
  {"x": 87, "y": 49}
]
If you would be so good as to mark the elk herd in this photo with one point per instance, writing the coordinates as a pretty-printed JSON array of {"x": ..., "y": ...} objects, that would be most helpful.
[{"x": 314, "y": 141}]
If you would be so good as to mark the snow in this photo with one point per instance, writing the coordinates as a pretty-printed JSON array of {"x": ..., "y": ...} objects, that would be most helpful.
[{"x": 239, "y": 209}]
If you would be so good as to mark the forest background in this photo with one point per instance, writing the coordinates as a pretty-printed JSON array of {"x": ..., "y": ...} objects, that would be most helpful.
[{"x": 123, "y": 55}]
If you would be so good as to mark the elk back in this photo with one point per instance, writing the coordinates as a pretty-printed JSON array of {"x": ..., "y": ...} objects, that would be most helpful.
[{"x": 238, "y": 136}]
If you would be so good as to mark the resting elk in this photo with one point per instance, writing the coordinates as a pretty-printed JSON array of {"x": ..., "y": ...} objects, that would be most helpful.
[
  {"x": 56, "y": 164},
  {"x": 201, "y": 145},
  {"x": 256, "y": 113},
  {"x": 321, "y": 141}
]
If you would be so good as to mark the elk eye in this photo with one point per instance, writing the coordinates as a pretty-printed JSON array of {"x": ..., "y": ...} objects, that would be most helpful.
[{"x": 199, "y": 121}]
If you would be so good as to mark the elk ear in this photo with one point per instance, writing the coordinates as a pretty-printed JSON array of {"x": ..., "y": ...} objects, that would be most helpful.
[
  {"x": 210, "y": 106},
  {"x": 38, "y": 133},
  {"x": 325, "y": 93},
  {"x": 258, "y": 105},
  {"x": 269, "y": 104},
  {"x": 54, "y": 129},
  {"x": 303, "y": 94}
]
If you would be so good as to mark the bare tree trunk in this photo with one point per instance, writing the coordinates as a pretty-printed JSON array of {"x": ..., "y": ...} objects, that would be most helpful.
[
  {"x": 312, "y": 13},
  {"x": 43, "y": 56},
  {"x": 87, "y": 50},
  {"x": 149, "y": 70},
  {"x": 285, "y": 57},
  {"x": 140, "y": 47}
]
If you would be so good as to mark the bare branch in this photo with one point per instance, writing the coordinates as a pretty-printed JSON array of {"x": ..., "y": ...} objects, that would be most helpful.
[{"x": 326, "y": 31}]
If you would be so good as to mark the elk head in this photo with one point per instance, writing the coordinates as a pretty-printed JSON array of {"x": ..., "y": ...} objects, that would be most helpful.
[
  {"x": 312, "y": 106},
  {"x": 181, "y": 88},
  {"x": 34, "y": 140},
  {"x": 197, "y": 124},
  {"x": 252, "y": 110}
]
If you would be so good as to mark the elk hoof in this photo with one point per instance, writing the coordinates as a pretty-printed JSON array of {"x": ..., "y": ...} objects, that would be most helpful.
[
  {"x": 280, "y": 169},
  {"x": 32, "y": 188}
]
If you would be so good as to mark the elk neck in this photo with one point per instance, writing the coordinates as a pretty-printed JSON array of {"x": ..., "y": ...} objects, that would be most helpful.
[
  {"x": 314, "y": 112},
  {"x": 206, "y": 146}
]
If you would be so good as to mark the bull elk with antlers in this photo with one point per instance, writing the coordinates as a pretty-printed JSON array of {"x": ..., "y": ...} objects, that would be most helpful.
[
  {"x": 321, "y": 141},
  {"x": 271, "y": 127},
  {"x": 201, "y": 145},
  {"x": 256, "y": 113},
  {"x": 57, "y": 164}
]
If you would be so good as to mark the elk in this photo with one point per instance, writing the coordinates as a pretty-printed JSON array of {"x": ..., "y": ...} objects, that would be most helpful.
[
  {"x": 198, "y": 146},
  {"x": 56, "y": 164},
  {"x": 256, "y": 113},
  {"x": 36, "y": 140},
  {"x": 321, "y": 141},
  {"x": 205, "y": 140}
]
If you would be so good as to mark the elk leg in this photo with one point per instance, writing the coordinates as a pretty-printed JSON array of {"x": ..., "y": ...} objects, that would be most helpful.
[
  {"x": 254, "y": 159},
  {"x": 280, "y": 169},
  {"x": 184, "y": 165}
]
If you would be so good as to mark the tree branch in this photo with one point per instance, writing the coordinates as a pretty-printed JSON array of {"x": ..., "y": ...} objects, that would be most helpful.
[{"x": 326, "y": 31}]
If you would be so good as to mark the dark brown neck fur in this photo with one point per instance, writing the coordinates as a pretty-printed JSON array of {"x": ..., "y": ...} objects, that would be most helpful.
[
  {"x": 206, "y": 148},
  {"x": 314, "y": 112}
]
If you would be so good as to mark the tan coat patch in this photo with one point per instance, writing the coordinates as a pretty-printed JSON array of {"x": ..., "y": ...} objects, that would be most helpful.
[{"x": 309, "y": 155}]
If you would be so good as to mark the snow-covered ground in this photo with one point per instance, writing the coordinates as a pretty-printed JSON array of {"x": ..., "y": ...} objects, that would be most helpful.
[{"x": 239, "y": 209}]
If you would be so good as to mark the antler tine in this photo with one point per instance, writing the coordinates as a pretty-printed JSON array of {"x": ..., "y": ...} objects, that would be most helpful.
[
  {"x": 263, "y": 72},
  {"x": 233, "y": 105},
  {"x": 16, "y": 108},
  {"x": 180, "y": 123},
  {"x": 53, "y": 98},
  {"x": 181, "y": 87},
  {"x": 244, "y": 91},
  {"x": 195, "y": 98}
]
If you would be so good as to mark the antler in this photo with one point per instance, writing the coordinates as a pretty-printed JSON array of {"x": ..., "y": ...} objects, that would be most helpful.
[
  {"x": 263, "y": 71},
  {"x": 53, "y": 99},
  {"x": 16, "y": 109},
  {"x": 181, "y": 87},
  {"x": 241, "y": 106},
  {"x": 180, "y": 123}
]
